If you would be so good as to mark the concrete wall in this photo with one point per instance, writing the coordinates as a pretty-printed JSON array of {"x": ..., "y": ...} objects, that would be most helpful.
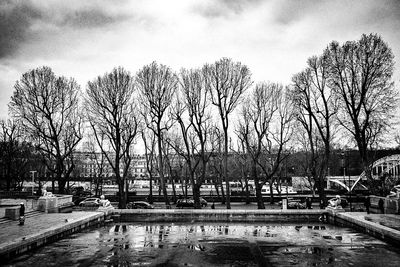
[
  {"x": 371, "y": 228},
  {"x": 127, "y": 215},
  {"x": 52, "y": 204},
  {"x": 12, "y": 213},
  {"x": 391, "y": 205}
]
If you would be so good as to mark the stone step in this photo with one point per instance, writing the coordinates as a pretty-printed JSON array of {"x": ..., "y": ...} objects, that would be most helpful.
[
  {"x": 4, "y": 220},
  {"x": 28, "y": 214},
  {"x": 33, "y": 213}
]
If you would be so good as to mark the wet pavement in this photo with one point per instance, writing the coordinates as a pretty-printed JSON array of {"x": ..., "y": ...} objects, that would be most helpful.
[
  {"x": 11, "y": 233},
  {"x": 215, "y": 244}
]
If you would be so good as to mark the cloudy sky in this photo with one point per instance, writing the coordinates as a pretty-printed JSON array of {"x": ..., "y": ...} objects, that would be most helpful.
[{"x": 84, "y": 39}]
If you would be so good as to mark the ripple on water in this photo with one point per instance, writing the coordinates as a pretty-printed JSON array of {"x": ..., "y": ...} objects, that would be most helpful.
[{"x": 213, "y": 244}]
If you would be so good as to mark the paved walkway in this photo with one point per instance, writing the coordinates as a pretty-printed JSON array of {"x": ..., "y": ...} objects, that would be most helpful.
[
  {"x": 387, "y": 220},
  {"x": 11, "y": 232}
]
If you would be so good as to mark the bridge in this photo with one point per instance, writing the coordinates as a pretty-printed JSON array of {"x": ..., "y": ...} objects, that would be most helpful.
[{"x": 387, "y": 165}]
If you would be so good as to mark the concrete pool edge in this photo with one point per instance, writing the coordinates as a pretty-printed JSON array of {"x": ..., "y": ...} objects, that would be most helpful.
[
  {"x": 191, "y": 215},
  {"x": 358, "y": 221},
  {"x": 355, "y": 220},
  {"x": 18, "y": 246}
]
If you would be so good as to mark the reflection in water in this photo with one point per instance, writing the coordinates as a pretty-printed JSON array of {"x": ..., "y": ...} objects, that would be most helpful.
[{"x": 215, "y": 244}]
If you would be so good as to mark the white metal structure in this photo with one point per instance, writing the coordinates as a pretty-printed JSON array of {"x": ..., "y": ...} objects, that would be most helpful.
[{"x": 388, "y": 164}]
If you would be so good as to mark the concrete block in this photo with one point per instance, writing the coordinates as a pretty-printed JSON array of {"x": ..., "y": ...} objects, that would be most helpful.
[
  {"x": 12, "y": 213},
  {"x": 52, "y": 204},
  {"x": 47, "y": 204}
]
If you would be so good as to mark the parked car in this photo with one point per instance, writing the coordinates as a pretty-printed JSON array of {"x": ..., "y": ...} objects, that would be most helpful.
[
  {"x": 296, "y": 204},
  {"x": 90, "y": 202},
  {"x": 77, "y": 200},
  {"x": 185, "y": 203},
  {"x": 189, "y": 203},
  {"x": 139, "y": 205}
]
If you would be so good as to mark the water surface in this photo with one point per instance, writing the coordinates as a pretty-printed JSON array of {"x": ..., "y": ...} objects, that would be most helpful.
[{"x": 214, "y": 244}]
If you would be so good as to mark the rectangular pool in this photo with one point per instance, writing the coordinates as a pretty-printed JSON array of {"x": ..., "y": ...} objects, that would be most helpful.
[{"x": 214, "y": 244}]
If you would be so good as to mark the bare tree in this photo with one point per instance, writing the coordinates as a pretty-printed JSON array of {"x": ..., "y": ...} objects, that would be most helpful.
[
  {"x": 361, "y": 78},
  {"x": 226, "y": 81},
  {"x": 149, "y": 141},
  {"x": 265, "y": 129},
  {"x": 99, "y": 160},
  {"x": 316, "y": 111},
  {"x": 17, "y": 156},
  {"x": 111, "y": 112},
  {"x": 241, "y": 161},
  {"x": 190, "y": 111},
  {"x": 48, "y": 108},
  {"x": 169, "y": 160},
  {"x": 311, "y": 148},
  {"x": 157, "y": 84},
  {"x": 10, "y": 148},
  {"x": 216, "y": 160}
]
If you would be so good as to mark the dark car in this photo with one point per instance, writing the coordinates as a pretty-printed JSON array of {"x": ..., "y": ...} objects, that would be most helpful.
[
  {"x": 77, "y": 200},
  {"x": 90, "y": 202},
  {"x": 185, "y": 203},
  {"x": 295, "y": 203},
  {"x": 139, "y": 205},
  {"x": 189, "y": 203}
]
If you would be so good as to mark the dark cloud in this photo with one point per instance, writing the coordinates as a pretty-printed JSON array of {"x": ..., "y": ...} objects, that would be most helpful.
[
  {"x": 88, "y": 19},
  {"x": 224, "y": 8},
  {"x": 18, "y": 18},
  {"x": 385, "y": 11},
  {"x": 15, "y": 19},
  {"x": 290, "y": 11}
]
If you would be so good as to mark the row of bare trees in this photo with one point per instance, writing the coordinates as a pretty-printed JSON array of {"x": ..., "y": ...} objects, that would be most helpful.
[{"x": 346, "y": 89}]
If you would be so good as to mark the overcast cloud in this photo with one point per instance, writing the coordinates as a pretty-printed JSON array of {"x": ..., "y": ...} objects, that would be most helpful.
[{"x": 84, "y": 39}]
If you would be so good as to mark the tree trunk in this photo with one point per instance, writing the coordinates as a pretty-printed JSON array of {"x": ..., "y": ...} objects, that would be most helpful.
[
  {"x": 61, "y": 186},
  {"x": 96, "y": 190},
  {"x": 53, "y": 186},
  {"x": 216, "y": 188},
  {"x": 150, "y": 198},
  {"x": 173, "y": 188},
  {"x": 258, "y": 185},
  {"x": 247, "y": 190},
  {"x": 260, "y": 201},
  {"x": 228, "y": 191},
  {"x": 222, "y": 191},
  {"x": 271, "y": 188},
  {"x": 196, "y": 196},
  {"x": 126, "y": 191},
  {"x": 121, "y": 193},
  {"x": 161, "y": 166}
]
